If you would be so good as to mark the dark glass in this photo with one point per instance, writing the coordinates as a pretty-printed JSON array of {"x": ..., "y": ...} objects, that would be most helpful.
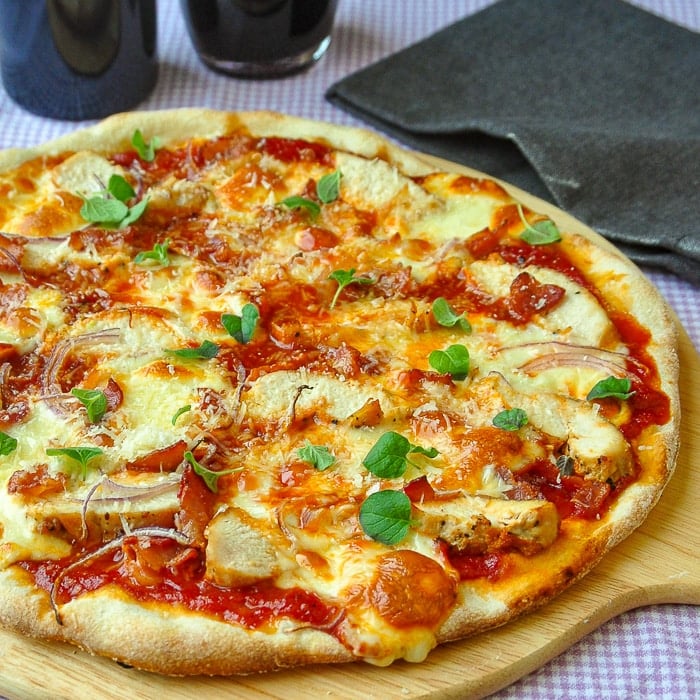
[
  {"x": 259, "y": 38},
  {"x": 78, "y": 59}
]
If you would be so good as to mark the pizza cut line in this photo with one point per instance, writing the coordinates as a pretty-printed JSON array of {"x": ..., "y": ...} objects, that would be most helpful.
[{"x": 276, "y": 386}]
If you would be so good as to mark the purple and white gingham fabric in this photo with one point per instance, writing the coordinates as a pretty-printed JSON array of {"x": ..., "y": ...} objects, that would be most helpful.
[{"x": 651, "y": 652}]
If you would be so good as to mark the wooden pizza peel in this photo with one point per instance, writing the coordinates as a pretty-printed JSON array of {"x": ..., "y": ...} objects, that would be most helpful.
[{"x": 658, "y": 563}]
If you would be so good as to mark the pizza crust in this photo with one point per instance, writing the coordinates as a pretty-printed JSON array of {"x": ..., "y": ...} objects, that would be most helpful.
[{"x": 106, "y": 623}]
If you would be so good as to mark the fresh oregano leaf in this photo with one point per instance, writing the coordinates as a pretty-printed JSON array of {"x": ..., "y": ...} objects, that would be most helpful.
[
  {"x": 119, "y": 188},
  {"x": 146, "y": 151},
  {"x": 453, "y": 361},
  {"x": 8, "y": 444},
  {"x": 297, "y": 202},
  {"x": 541, "y": 232},
  {"x": 328, "y": 187},
  {"x": 388, "y": 457},
  {"x": 445, "y": 315},
  {"x": 134, "y": 213},
  {"x": 81, "y": 455},
  {"x": 109, "y": 207},
  {"x": 344, "y": 278},
  {"x": 612, "y": 387},
  {"x": 385, "y": 516},
  {"x": 99, "y": 210},
  {"x": 242, "y": 327},
  {"x": 158, "y": 254},
  {"x": 210, "y": 477},
  {"x": 94, "y": 401},
  {"x": 206, "y": 351},
  {"x": 511, "y": 419}
]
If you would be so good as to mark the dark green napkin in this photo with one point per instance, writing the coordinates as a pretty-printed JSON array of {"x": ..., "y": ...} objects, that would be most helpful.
[{"x": 591, "y": 104}]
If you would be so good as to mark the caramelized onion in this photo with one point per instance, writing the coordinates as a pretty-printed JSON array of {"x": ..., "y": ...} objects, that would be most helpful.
[
  {"x": 116, "y": 494},
  {"x": 50, "y": 386},
  {"x": 4, "y": 374},
  {"x": 13, "y": 260},
  {"x": 139, "y": 534}
]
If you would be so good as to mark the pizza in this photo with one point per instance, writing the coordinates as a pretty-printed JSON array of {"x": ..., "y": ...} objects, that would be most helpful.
[{"x": 277, "y": 392}]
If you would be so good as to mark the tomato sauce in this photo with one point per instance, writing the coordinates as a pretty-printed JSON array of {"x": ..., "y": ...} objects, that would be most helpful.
[
  {"x": 490, "y": 566},
  {"x": 573, "y": 496},
  {"x": 182, "y": 161},
  {"x": 550, "y": 256},
  {"x": 296, "y": 150},
  {"x": 251, "y": 606}
]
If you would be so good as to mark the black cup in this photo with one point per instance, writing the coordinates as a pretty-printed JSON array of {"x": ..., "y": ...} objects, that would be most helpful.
[
  {"x": 259, "y": 38},
  {"x": 78, "y": 59}
]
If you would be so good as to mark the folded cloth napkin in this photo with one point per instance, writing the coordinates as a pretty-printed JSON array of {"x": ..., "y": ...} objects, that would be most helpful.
[{"x": 591, "y": 104}]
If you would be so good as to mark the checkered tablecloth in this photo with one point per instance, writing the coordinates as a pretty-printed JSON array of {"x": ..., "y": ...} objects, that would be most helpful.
[{"x": 651, "y": 652}]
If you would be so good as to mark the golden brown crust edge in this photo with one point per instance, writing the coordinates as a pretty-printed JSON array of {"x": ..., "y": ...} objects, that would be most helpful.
[
  {"x": 172, "y": 126},
  {"x": 106, "y": 623}
]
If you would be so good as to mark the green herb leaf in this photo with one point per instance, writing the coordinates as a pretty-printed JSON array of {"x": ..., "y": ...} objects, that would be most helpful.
[
  {"x": 344, "y": 278},
  {"x": 328, "y": 187},
  {"x": 445, "y": 315},
  {"x": 388, "y": 457},
  {"x": 242, "y": 327},
  {"x": 297, "y": 202},
  {"x": 109, "y": 207},
  {"x": 135, "y": 213},
  {"x": 211, "y": 478},
  {"x": 8, "y": 444},
  {"x": 206, "y": 351},
  {"x": 99, "y": 210},
  {"x": 541, "y": 232},
  {"x": 453, "y": 361},
  {"x": 179, "y": 412},
  {"x": 430, "y": 452},
  {"x": 95, "y": 402},
  {"x": 612, "y": 387},
  {"x": 119, "y": 188},
  {"x": 146, "y": 151},
  {"x": 511, "y": 419},
  {"x": 318, "y": 456},
  {"x": 159, "y": 254},
  {"x": 82, "y": 455},
  {"x": 385, "y": 516}
]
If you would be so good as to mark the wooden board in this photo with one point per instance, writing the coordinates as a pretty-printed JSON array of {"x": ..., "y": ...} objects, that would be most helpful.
[{"x": 630, "y": 576}]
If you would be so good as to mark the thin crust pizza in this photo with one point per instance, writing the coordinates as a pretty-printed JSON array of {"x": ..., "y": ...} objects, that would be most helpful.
[{"x": 275, "y": 392}]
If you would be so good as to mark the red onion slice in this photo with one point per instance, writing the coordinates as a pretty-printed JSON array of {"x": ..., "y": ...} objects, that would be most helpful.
[
  {"x": 51, "y": 389},
  {"x": 559, "y": 354},
  {"x": 139, "y": 533}
]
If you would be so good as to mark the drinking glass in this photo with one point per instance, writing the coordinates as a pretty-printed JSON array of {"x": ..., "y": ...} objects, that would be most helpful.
[
  {"x": 78, "y": 59},
  {"x": 259, "y": 38}
]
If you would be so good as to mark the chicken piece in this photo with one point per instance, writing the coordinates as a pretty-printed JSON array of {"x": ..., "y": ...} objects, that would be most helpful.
[
  {"x": 596, "y": 445},
  {"x": 477, "y": 524},
  {"x": 85, "y": 173},
  {"x": 103, "y": 511},
  {"x": 181, "y": 196},
  {"x": 237, "y": 552}
]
